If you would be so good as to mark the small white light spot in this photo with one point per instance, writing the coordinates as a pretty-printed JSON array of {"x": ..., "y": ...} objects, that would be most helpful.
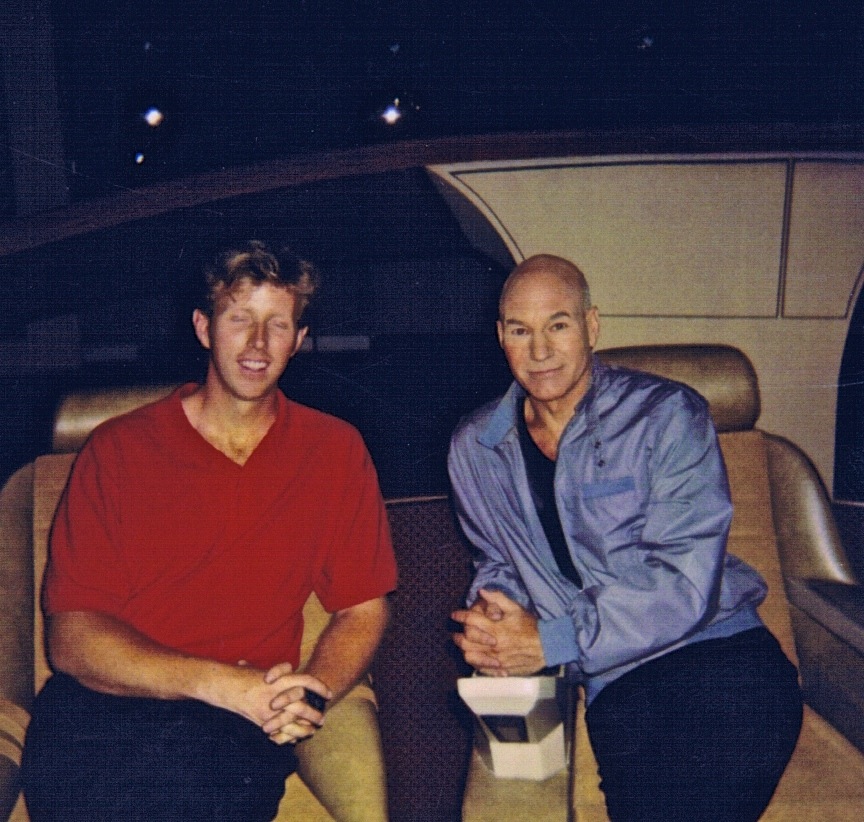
[
  {"x": 153, "y": 117},
  {"x": 392, "y": 114},
  {"x": 139, "y": 158}
]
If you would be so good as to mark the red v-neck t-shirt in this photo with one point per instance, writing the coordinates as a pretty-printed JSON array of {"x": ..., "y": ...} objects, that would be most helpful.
[{"x": 163, "y": 531}]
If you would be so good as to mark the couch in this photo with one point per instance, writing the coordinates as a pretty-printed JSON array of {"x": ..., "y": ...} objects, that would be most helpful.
[{"x": 782, "y": 525}]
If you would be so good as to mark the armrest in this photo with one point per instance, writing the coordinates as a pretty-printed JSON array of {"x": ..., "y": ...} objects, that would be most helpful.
[
  {"x": 837, "y": 606},
  {"x": 343, "y": 763}
]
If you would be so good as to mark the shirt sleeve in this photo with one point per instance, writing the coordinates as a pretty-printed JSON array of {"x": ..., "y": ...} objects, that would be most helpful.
[
  {"x": 494, "y": 569},
  {"x": 85, "y": 570},
  {"x": 361, "y": 564},
  {"x": 672, "y": 584}
]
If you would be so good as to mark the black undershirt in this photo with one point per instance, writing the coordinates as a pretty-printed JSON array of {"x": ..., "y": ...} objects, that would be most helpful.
[{"x": 541, "y": 482}]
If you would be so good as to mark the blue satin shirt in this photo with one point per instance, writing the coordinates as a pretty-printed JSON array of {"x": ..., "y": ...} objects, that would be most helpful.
[{"x": 643, "y": 499}]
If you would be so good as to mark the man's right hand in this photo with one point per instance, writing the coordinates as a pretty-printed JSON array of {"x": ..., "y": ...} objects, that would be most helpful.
[{"x": 476, "y": 643}]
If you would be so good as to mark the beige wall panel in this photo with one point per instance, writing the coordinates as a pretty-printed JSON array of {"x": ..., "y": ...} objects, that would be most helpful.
[
  {"x": 710, "y": 232},
  {"x": 826, "y": 238}
]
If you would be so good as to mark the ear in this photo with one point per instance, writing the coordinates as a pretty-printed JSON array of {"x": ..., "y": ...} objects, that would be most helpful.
[
  {"x": 499, "y": 327},
  {"x": 301, "y": 335},
  {"x": 592, "y": 321},
  {"x": 201, "y": 324}
]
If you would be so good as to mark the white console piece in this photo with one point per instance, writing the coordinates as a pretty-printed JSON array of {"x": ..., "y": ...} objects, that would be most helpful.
[{"x": 522, "y": 723}]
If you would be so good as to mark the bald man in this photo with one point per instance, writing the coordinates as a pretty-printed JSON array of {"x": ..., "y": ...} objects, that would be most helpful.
[{"x": 598, "y": 503}]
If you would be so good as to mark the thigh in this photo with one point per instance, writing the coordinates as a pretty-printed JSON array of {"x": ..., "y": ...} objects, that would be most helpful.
[
  {"x": 77, "y": 762},
  {"x": 703, "y": 733},
  {"x": 93, "y": 757},
  {"x": 208, "y": 764}
]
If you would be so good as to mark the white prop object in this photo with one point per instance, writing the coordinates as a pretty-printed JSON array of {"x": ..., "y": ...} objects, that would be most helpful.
[{"x": 522, "y": 721}]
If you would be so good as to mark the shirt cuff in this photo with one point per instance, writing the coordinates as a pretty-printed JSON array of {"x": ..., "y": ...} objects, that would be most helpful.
[
  {"x": 558, "y": 638},
  {"x": 516, "y": 596}
]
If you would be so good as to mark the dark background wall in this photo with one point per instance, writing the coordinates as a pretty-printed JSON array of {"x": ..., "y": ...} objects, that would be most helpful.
[{"x": 241, "y": 81}]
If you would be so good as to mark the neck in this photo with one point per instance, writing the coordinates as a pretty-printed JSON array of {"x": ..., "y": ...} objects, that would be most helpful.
[
  {"x": 546, "y": 425},
  {"x": 219, "y": 403},
  {"x": 232, "y": 425},
  {"x": 546, "y": 421}
]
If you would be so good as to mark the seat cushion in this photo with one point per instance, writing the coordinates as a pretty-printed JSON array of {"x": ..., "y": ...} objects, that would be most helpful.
[{"x": 824, "y": 780}]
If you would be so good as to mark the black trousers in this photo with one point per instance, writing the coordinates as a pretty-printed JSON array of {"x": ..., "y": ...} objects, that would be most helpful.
[
  {"x": 702, "y": 734},
  {"x": 93, "y": 757}
]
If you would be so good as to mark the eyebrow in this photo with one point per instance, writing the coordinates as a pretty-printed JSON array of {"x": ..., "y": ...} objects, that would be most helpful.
[{"x": 556, "y": 316}]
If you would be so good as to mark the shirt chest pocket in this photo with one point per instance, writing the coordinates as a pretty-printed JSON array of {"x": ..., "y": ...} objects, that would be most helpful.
[
  {"x": 608, "y": 488},
  {"x": 611, "y": 510}
]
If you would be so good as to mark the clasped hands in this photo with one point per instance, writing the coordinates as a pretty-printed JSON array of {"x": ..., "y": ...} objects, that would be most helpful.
[
  {"x": 499, "y": 637},
  {"x": 275, "y": 700}
]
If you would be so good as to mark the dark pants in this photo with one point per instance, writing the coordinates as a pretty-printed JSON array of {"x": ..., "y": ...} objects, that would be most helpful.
[
  {"x": 700, "y": 734},
  {"x": 92, "y": 757}
]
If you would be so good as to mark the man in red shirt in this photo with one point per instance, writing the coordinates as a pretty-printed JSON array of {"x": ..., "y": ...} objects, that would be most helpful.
[{"x": 190, "y": 536}]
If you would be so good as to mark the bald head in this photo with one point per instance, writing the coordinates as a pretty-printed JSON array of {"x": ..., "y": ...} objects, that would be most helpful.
[
  {"x": 548, "y": 329},
  {"x": 547, "y": 265}
]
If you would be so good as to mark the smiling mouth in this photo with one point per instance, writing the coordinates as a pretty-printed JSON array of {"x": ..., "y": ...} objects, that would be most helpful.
[
  {"x": 539, "y": 375},
  {"x": 254, "y": 365}
]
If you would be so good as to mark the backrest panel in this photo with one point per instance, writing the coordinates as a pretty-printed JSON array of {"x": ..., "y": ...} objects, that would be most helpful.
[
  {"x": 720, "y": 373},
  {"x": 424, "y": 726},
  {"x": 80, "y": 412}
]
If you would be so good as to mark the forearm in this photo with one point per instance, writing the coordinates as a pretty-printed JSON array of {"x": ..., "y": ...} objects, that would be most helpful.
[
  {"x": 109, "y": 656},
  {"x": 347, "y": 645}
]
